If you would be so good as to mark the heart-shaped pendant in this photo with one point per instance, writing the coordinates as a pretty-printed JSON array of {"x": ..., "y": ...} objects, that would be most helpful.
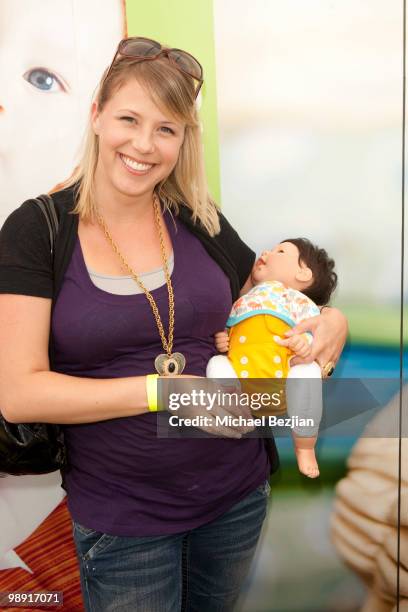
[{"x": 165, "y": 365}]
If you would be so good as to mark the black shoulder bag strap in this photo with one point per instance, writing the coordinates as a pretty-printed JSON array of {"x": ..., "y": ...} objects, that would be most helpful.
[{"x": 47, "y": 206}]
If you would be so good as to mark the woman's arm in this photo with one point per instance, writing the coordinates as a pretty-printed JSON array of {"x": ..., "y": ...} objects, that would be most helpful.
[
  {"x": 329, "y": 331},
  {"x": 247, "y": 286},
  {"x": 29, "y": 392}
]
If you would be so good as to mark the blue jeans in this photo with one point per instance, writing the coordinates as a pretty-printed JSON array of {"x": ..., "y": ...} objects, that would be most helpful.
[{"x": 201, "y": 570}]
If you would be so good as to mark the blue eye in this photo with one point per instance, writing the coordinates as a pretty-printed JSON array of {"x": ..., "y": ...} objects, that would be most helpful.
[{"x": 43, "y": 79}]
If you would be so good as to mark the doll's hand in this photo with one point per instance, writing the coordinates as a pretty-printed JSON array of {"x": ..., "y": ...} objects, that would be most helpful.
[
  {"x": 329, "y": 331},
  {"x": 222, "y": 341},
  {"x": 299, "y": 344}
]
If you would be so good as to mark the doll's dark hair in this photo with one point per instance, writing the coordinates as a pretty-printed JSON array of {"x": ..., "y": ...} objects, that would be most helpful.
[{"x": 322, "y": 267}]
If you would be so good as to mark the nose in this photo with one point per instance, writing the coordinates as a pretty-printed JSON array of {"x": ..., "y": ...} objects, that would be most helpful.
[{"x": 143, "y": 142}]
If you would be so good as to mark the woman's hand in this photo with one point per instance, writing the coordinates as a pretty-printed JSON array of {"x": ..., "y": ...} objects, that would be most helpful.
[
  {"x": 329, "y": 331},
  {"x": 203, "y": 394}
]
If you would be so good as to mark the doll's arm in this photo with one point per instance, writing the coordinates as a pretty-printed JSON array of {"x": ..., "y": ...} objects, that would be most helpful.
[{"x": 300, "y": 344}]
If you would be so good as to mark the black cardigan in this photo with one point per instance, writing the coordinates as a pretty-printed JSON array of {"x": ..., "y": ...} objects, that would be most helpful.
[
  {"x": 26, "y": 267},
  {"x": 25, "y": 263}
]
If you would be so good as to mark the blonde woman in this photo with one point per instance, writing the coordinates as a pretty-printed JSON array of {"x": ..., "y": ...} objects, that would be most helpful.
[{"x": 146, "y": 269}]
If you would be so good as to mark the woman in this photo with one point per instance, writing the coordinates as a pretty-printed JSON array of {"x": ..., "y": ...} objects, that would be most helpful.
[{"x": 156, "y": 521}]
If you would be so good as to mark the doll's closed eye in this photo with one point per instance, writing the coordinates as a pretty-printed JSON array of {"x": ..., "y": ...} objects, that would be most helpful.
[{"x": 44, "y": 80}]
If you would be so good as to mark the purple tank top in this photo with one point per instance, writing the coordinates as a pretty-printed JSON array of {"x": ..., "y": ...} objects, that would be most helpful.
[{"x": 124, "y": 480}]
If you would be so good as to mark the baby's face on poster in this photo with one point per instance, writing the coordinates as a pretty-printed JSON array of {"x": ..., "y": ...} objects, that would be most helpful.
[{"x": 52, "y": 55}]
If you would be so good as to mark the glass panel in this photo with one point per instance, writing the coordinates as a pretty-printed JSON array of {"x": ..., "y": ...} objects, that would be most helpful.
[{"x": 310, "y": 98}]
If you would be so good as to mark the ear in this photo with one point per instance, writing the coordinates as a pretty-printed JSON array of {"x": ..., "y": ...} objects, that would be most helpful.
[
  {"x": 304, "y": 274},
  {"x": 95, "y": 117}
]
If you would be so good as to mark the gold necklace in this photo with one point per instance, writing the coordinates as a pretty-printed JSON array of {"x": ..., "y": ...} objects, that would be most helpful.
[{"x": 166, "y": 363}]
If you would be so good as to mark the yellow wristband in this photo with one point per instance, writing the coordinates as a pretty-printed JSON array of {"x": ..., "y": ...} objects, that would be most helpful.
[{"x": 151, "y": 391}]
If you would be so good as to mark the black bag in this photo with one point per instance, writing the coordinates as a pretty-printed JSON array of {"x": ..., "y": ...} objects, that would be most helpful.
[{"x": 33, "y": 448}]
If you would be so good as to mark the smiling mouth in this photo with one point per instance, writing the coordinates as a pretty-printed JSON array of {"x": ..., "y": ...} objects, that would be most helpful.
[{"x": 135, "y": 166}]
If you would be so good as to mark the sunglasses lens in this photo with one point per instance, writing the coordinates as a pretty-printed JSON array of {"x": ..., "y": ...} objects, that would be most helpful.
[
  {"x": 187, "y": 63},
  {"x": 140, "y": 47}
]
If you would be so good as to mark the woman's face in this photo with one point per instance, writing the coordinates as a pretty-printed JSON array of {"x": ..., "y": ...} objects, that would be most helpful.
[
  {"x": 139, "y": 144},
  {"x": 52, "y": 55}
]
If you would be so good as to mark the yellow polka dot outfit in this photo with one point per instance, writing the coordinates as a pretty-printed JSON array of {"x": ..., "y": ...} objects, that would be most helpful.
[
  {"x": 267, "y": 311},
  {"x": 253, "y": 351}
]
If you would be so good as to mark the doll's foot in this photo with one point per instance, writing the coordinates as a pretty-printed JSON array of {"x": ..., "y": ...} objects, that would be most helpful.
[{"x": 307, "y": 463}]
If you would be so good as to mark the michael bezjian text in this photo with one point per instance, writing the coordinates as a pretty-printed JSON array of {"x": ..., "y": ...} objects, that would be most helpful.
[{"x": 239, "y": 421}]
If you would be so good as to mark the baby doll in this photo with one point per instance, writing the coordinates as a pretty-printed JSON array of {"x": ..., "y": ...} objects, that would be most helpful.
[{"x": 288, "y": 282}]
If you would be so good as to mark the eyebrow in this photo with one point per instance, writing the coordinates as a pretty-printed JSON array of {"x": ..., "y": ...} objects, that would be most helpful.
[{"x": 135, "y": 114}]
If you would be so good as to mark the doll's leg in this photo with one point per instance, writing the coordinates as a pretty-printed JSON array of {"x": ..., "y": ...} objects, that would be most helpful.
[
  {"x": 304, "y": 401},
  {"x": 220, "y": 366}
]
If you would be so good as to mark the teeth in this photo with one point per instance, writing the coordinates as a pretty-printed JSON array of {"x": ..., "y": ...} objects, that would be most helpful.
[{"x": 136, "y": 165}]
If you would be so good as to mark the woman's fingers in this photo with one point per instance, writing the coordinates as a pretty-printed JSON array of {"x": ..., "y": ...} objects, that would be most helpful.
[
  {"x": 308, "y": 325},
  {"x": 316, "y": 350},
  {"x": 220, "y": 422},
  {"x": 304, "y": 352},
  {"x": 297, "y": 360},
  {"x": 329, "y": 334},
  {"x": 320, "y": 353}
]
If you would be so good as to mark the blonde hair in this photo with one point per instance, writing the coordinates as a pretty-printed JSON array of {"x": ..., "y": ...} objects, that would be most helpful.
[{"x": 173, "y": 92}]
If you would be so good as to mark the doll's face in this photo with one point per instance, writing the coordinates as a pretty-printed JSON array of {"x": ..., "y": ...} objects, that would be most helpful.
[
  {"x": 282, "y": 264},
  {"x": 52, "y": 55}
]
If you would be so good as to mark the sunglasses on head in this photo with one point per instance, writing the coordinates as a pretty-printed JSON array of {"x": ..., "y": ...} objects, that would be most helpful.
[{"x": 146, "y": 49}]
